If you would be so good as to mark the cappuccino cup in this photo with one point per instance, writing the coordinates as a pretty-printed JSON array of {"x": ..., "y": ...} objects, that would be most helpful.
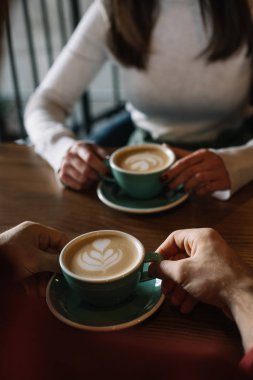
[
  {"x": 104, "y": 267},
  {"x": 137, "y": 169}
]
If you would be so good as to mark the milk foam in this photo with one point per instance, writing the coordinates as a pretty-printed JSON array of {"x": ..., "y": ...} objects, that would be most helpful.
[
  {"x": 142, "y": 162},
  {"x": 100, "y": 257}
]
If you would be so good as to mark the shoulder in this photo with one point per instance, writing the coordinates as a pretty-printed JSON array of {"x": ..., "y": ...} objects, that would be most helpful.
[{"x": 103, "y": 7}]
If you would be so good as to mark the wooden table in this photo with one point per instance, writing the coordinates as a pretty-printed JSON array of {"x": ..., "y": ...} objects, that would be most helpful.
[{"x": 29, "y": 190}]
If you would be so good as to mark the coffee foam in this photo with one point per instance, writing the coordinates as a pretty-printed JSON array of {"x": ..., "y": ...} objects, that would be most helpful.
[
  {"x": 141, "y": 160},
  {"x": 103, "y": 257},
  {"x": 100, "y": 257}
]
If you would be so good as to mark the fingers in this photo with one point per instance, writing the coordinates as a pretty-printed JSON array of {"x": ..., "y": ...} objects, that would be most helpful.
[
  {"x": 50, "y": 243},
  {"x": 82, "y": 165},
  {"x": 177, "y": 245},
  {"x": 188, "y": 304},
  {"x": 178, "y": 296},
  {"x": 50, "y": 239},
  {"x": 167, "y": 269},
  {"x": 48, "y": 262},
  {"x": 202, "y": 171}
]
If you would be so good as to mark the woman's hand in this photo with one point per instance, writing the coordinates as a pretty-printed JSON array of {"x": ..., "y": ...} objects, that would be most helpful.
[
  {"x": 81, "y": 165},
  {"x": 201, "y": 171},
  {"x": 200, "y": 265},
  {"x": 28, "y": 252}
]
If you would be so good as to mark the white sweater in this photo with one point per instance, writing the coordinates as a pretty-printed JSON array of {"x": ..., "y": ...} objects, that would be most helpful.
[{"x": 180, "y": 97}]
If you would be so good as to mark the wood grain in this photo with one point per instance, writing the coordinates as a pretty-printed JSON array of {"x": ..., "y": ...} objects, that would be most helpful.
[{"x": 29, "y": 190}]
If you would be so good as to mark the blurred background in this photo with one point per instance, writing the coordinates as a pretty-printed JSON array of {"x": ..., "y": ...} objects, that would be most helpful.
[{"x": 36, "y": 31}]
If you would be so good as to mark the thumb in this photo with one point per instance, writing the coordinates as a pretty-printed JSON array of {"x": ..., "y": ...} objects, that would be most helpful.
[{"x": 175, "y": 270}]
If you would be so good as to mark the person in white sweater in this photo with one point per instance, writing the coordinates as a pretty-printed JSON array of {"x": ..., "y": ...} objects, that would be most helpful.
[{"x": 186, "y": 72}]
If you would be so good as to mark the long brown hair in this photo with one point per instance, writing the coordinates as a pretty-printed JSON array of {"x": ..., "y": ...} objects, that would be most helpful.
[{"x": 132, "y": 23}]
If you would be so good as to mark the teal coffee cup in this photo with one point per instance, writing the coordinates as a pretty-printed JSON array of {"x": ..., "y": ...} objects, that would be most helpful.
[
  {"x": 137, "y": 169},
  {"x": 104, "y": 267}
]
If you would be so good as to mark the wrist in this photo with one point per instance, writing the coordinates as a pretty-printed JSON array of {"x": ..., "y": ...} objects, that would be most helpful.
[{"x": 240, "y": 303}]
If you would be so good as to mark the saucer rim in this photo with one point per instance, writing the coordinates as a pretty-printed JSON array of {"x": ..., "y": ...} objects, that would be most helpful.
[
  {"x": 117, "y": 327},
  {"x": 131, "y": 210}
]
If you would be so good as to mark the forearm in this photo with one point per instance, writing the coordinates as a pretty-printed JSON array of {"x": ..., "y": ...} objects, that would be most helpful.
[
  {"x": 242, "y": 311},
  {"x": 44, "y": 120}
]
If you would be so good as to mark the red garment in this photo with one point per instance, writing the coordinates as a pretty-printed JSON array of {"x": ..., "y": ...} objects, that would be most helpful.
[
  {"x": 36, "y": 346},
  {"x": 246, "y": 364}
]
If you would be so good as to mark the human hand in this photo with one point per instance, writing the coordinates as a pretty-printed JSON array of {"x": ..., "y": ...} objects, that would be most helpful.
[
  {"x": 199, "y": 263},
  {"x": 81, "y": 165},
  {"x": 202, "y": 171},
  {"x": 31, "y": 248}
]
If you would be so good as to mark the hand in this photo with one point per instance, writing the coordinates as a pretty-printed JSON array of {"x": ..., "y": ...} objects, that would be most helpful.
[
  {"x": 31, "y": 248},
  {"x": 204, "y": 266},
  {"x": 201, "y": 171},
  {"x": 81, "y": 165}
]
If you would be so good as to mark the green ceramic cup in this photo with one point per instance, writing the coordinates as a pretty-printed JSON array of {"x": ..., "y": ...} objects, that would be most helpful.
[
  {"x": 137, "y": 169},
  {"x": 104, "y": 267}
]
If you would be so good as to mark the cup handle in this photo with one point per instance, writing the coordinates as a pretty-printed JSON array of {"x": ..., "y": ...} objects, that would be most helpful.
[
  {"x": 105, "y": 177},
  {"x": 151, "y": 257}
]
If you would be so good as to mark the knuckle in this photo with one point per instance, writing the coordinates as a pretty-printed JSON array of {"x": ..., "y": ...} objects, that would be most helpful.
[
  {"x": 200, "y": 176},
  {"x": 83, "y": 175},
  {"x": 27, "y": 224},
  {"x": 64, "y": 166},
  {"x": 202, "y": 151},
  {"x": 89, "y": 158},
  {"x": 211, "y": 233}
]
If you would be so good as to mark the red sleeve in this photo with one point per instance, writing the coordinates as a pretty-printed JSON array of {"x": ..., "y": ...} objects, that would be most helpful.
[{"x": 246, "y": 364}]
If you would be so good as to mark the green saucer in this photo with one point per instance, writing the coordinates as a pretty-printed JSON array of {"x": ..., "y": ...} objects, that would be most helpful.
[
  {"x": 69, "y": 308},
  {"x": 113, "y": 196}
]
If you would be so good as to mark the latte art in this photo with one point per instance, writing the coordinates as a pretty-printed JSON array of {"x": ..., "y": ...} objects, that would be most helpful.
[
  {"x": 100, "y": 257},
  {"x": 142, "y": 162}
]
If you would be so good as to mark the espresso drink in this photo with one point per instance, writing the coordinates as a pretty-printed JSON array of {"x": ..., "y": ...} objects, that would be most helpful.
[
  {"x": 142, "y": 159},
  {"x": 102, "y": 257}
]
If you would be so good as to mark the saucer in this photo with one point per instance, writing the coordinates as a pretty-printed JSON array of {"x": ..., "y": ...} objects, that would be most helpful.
[
  {"x": 113, "y": 196},
  {"x": 69, "y": 308}
]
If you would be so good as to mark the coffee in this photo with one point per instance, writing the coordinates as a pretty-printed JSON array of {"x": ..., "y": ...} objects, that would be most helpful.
[
  {"x": 103, "y": 257},
  {"x": 104, "y": 267},
  {"x": 142, "y": 159}
]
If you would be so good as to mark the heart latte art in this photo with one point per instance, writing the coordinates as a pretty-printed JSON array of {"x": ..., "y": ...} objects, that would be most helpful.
[
  {"x": 103, "y": 257},
  {"x": 100, "y": 257},
  {"x": 139, "y": 160},
  {"x": 143, "y": 162}
]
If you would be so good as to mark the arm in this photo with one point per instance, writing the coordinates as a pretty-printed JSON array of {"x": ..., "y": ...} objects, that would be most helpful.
[
  {"x": 200, "y": 262},
  {"x": 76, "y": 66}
]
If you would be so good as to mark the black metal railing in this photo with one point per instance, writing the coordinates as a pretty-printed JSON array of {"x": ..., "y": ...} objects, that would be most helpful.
[{"x": 68, "y": 16}]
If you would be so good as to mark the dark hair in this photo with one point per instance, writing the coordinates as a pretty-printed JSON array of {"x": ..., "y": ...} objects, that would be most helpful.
[{"x": 132, "y": 23}]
